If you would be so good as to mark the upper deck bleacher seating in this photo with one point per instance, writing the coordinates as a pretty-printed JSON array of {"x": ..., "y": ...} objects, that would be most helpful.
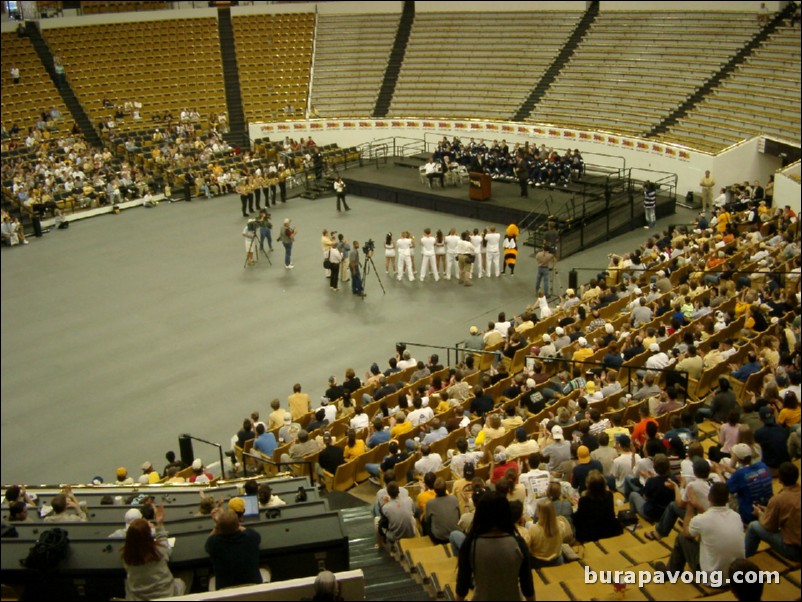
[
  {"x": 165, "y": 65},
  {"x": 633, "y": 68},
  {"x": 760, "y": 97},
  {"x": 351, "y": 56},
  {"x": 476, "y": 64},
  {"x": 22, "y": 103},
  {"x": 274, "y": 55}
]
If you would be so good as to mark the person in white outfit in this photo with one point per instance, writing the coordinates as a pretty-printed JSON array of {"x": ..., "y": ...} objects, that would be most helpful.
[
  {"x": 493, "y": 238},
  {"x": 404, "y": 249},
  {"x": 427, "y": 255},
  {"x": 476, "y": 241},
  {"x": 452, "y": 240}
]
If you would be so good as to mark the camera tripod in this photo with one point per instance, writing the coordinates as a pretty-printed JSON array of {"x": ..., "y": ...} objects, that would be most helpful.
[
  {"x": 254, "y": 249},
  {"x": 367, "y": 264}
]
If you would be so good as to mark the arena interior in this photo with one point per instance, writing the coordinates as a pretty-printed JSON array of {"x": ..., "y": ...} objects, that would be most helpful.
[{"x": 652, "y": 150}]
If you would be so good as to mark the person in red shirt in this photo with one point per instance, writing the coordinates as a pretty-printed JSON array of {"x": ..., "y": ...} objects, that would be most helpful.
[
  {"x": 500, "y": 464},
  {"x": 639, "y": 430}
]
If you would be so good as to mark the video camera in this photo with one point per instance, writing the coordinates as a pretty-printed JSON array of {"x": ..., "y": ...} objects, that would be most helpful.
[
  {"x": 253, "y": 225},
  {"x": 368, "y": 247}
]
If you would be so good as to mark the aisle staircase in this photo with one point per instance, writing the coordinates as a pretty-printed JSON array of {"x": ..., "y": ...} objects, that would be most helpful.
[
  {"x": 726, "y": 70},
  {"x": 396, "y": 59},
  {"x": 65, "y": 90},
  {"x": 558, "y": 63},
  {"x": 237, "y": 135},
  {"x": 385, "y": 579}
]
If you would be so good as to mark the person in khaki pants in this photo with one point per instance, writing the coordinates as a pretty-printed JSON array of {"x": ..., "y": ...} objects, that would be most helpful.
[{"x": 707, "y": 184}]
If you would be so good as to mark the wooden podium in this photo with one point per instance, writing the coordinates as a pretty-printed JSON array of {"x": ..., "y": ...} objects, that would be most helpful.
[{"x": 479, "y": 186}]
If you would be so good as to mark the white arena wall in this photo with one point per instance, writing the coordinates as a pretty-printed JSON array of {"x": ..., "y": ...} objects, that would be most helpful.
[{"x": 736, "y": 164}]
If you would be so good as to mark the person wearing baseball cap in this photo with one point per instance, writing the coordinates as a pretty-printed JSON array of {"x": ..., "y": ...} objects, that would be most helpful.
[
  {"x": 584, "y": 351},
  {"x": 122, "y": 476},
  {"x": 558, "y": 451},
  {"x": 751, "y": 481},
  {"x": 584, "y": 465}
]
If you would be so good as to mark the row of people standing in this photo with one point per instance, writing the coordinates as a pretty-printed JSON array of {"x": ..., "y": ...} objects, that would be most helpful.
[
  {"x": 250, "y": 188},
  {"x": 440, "y": 254},
  {"x": 341, "y": 261}
]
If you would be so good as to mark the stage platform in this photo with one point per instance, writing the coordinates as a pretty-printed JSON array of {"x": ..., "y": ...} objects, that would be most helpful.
[{"x": 398, "y": 181}]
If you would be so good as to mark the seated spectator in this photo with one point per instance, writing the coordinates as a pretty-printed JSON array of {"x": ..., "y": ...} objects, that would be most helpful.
[
  {"x": 442, "y": 513},
  {"x": 584, "y": 465},
  {"x": 266, "y": 499},
  {"x": 546, "y": 536},
  {"x": 63, "y": 502},
  {"x": 500, "y": 464},
  {"x": 265, "y": 442},
  {"x": 130, "y": 516},
  {"x": 692, "y": 491},
  {"x": 354, "y": 447},
  {"x": 522, "y": 445},
  {"x": 656, "y": 495},
  {"x": 122, "y": 476},
  {"x": 429, "y": 462},
  {"x": 719, "y": 536},
  {"x": 199, "y": 475},
  {"x": 331, "y": 456},
  {"x": 276, "y": 418},
  {"x": 397, "y": 516},
  {"x": 246, "y": 433},
  {"x": 378, "y": 434},
  {"x": 778, "y": 523},
  {"x": 751, "y": 482},
  {"x": 595, "y": 518},
  {"x": 145, "y": 555},
  {"x": 606, "y": 455},
  {"x": 751, "y": 366}
]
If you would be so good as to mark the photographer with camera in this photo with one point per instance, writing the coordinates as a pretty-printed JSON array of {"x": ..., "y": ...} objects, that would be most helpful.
[
  {"x": 353, "y": 266},
  {"x": 546, "y": 260},
  {"x": 265, "y": 230},
  {"x": 249, "y": 233}
]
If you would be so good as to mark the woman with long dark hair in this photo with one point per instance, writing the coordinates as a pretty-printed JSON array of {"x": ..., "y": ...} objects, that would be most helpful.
[
  {"x": 494, "y": 557},
  {"x": 145, "y": 559}
]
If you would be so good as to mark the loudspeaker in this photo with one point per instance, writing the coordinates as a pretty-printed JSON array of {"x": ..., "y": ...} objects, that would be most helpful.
[
  {"x": 573, "y": 280},
  {"x": 185, "y": 447}
]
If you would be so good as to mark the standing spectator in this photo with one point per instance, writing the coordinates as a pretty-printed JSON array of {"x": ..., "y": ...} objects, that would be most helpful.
[
  {"x": 545, "y": 263},
  {"x": 339, "y": 188},
  {"x": 357, "y": 287},
  {"x": 287, "y": 237},
  {"x": 15, "y": 76},
  {"x": 650, "y": 205},
  {"x": 234, "y": 551},
  {"x": 492, "y": 242},
  {"x": 145, "y": 555},
  {"x": 773, "y": 439},
  {"x": 335, "y": 258},
  {"x": 707, "y": 184},
  {"x": 404, "y": 249},
  {"x": 494, "y": 559}
]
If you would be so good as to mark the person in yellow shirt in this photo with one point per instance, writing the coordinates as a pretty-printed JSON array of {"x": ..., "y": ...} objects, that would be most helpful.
[
  {"x": 428, "y": 494},
  {"x": 401, "y": 425},
  {"x": 584, "y": 351},
  {"x": 353, "y": 447}
]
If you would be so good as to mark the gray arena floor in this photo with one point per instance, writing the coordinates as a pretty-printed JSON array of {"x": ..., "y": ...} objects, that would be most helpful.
[{"x": 125, "y": 331}]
